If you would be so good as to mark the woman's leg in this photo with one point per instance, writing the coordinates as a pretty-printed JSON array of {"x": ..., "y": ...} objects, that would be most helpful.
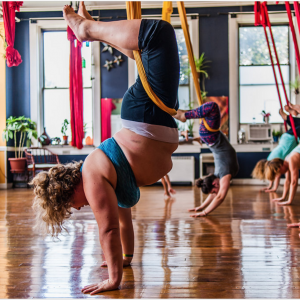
[
  {"x": 122, "y": 34},
  {"x": 85, "y": 14}
]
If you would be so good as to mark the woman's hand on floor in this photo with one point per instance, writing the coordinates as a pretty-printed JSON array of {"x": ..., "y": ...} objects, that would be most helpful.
[
  {"x": 200, "y": 214},
  {"x": 99, "y": 287},
  {"x": 293, "y": 225},
  {"x": 195, "y": 209},
  {"x": 278, "y": 199}
]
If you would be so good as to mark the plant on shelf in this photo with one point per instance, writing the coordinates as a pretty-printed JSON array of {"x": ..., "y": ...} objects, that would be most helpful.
[
  {"x": 25, "y": 128},
  {"x": 63, "y": 130},
  {"x": 276, "y": 135},
  {"x": 295, "y": 86},
  {"x": 266, "y": 116},
  {"x": 201, "y": 67}
]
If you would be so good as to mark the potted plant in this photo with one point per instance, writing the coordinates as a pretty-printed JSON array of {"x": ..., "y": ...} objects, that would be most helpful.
[
  {"x": 295, "y": 86},
  {"x": 201, "y": 67},
  {"x": 266, "y": 116},
  {"x": 276, "y": 135},
  {"x": 63, "y": 130},
  {"x": 25, "y": 128}
]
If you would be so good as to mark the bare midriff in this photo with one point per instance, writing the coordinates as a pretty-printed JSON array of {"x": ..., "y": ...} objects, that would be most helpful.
[{"x": 149, "y": 159}]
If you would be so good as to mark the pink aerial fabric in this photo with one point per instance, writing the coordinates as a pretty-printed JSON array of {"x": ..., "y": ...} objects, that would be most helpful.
[
  {"x": 13, "y": 57},
  {"x": 76, "y": 90},
  {"x": 107, "y": 106}
]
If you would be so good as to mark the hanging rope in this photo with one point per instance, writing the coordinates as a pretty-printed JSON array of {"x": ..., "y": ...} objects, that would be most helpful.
[
  {"x": 266, "y": 15},
  {"x": 134, "y": 12},
  {"x": 184, "y": 25},
  {"x": 167, "y": 11},
  {"x": 260, "y": 19}
]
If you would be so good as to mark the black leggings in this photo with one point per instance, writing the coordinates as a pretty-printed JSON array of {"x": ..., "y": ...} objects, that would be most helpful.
[{"x": 297, "y": 126}]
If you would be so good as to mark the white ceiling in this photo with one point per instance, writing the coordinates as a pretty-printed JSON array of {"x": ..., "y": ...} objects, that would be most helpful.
[{"x": 91, "y": 5}]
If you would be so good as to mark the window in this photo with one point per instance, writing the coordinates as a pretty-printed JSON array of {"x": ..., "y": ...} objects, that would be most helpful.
[
  {"x": 56, "y": 99},
  {"x": 257, "y": 89},
  {"x": 184, "y": 79}
]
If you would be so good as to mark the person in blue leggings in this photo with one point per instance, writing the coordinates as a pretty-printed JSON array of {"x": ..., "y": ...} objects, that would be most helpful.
[
  {"x": 225, "y": 158},
  {"x": 287, "y": 143},
  {"x": 139, "y": 154}
]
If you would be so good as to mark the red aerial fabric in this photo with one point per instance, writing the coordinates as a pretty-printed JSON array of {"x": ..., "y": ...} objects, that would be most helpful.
[
  {"x": 107, "y": 106},
  {"x": 260, "y": 19},
  {"x": 289, "y": 13},
  {"x": 13, "y": 57},
  {"x": 266, "y": 16},
  {"x": 297, "y": 11},
  {"x": 76, "y": 90}
]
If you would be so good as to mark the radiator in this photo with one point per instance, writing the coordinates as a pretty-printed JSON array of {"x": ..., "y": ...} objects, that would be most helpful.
[{"x": 183, "y": 169}]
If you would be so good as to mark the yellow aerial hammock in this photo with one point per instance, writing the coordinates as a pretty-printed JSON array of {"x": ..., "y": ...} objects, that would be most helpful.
[{"x": 134, "y": 12}]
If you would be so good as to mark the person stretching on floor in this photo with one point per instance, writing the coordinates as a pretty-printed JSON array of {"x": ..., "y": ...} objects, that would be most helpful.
[
  {"x": 226, "y": 163},
  {"x": 290, "y": 167},
  {"x": 286, "y": 144},
  {"x": 139, "y": 154}
]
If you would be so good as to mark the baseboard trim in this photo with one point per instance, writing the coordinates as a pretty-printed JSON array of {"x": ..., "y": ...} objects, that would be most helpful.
[
  {"x": 252, "y": 181},
  {"x": 6, "y": 186}
]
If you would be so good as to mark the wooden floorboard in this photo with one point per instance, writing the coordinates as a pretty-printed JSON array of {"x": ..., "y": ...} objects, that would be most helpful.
[{"x": 242, "y": 250}]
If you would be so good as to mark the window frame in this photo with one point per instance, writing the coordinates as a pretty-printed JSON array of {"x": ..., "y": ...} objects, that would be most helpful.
[
  {"x": 36, "y": 28},
  {"x": 235, "y": 20}
]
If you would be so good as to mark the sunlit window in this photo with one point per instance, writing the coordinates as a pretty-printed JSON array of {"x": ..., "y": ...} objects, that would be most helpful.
[
  {"x": 56, "y": 99},
  {"x": 257, "y": 89}
]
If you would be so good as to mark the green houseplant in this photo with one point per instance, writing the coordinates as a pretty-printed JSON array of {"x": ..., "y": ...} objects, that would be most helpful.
[
  {"x": 63, "y": 130},
  {"x": 201, "y": 67},
  {"x": 18, "y": 129},
  {"x": 276, "y": 135}
]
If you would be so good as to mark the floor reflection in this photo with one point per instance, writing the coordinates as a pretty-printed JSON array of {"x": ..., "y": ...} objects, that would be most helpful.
[{"x": 242, "y": 250}]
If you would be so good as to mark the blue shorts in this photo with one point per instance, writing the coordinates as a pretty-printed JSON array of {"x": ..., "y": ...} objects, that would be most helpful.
[
  {"x": 127, "y": 192},
  {"x": 158, "y": 44}
]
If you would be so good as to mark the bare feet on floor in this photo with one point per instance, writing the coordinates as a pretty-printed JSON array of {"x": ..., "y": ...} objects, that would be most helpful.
[
  {"x": 293, "y": 225},
  {"x": 283, "y": 114},
  {"x": 79, "y": 25},
  {"x": 83, "y": 12},
  {"x": 291, "y": 110}
]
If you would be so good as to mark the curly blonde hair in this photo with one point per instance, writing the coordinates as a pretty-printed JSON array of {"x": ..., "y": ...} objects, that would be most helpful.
[
  {"x": 259, "y": 170},
  {"x": 273, "y": 168},
  {"x": 53, "y": 191}
]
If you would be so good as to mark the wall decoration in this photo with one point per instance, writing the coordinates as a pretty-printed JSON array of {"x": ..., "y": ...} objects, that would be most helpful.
[
  {"x": 107, "y": 48},
  {"x": 118, "y": 59},
  {"x": 108, "y": 64}
]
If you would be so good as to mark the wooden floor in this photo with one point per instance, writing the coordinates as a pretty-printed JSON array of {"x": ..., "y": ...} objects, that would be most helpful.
[{"x": 242, "y": 250}]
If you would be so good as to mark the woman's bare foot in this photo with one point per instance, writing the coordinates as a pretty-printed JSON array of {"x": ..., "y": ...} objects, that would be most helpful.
[
  {"x": 79, "y": 25},
  {"x": 171, "y": 191},
  {"x": 291, "y": 110},
  {"x": 283, "y": 115},
  {"x": 83, "y": 12},
  {"x": 180, "y": 115}
]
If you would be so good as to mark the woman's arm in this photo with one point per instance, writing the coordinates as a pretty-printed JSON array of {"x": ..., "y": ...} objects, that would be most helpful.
[
  {"x": 294, "y": 171},
  {"x": 286, "y": 187},
  {"x": 103, "y": 201},
  {"x": 218, "y": 199},
  {"x": 276, "y": 184},
  {"x": 127, "y": 236}
]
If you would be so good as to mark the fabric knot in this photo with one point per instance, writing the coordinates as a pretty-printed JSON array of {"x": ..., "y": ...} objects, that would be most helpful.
[
  {"x": 15, "y": 5},
  {"x": 70, "y": 34},
  {"x": 13, "y": 57}
]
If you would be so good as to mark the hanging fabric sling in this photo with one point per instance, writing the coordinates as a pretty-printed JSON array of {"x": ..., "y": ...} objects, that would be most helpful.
[
  {"x": 265, "y": 21},
  {"x": 260, "y": 19},
  {"x": 184, "y": 25},
  {"x": 134, "y": 12}
]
